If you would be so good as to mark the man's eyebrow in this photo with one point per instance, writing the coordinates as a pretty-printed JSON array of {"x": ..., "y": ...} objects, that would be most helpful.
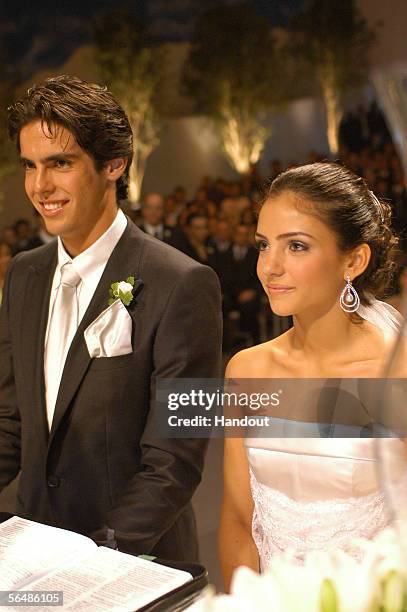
[
  {"x": 54, "y": 157},
  {"x": 287, "y": 235}
]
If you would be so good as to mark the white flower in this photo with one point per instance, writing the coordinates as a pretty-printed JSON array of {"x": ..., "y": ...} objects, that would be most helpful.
[
  {"x": 125, "y": 287},
  {"x": 328, "y": 581},
  {"x": 343, "y": 570},
  {"x": 122, "y": 290},
  {"x": 284, "y": 572}
]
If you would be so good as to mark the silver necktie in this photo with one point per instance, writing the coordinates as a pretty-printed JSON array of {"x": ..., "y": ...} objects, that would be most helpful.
[{"x": 62, "y": 328}]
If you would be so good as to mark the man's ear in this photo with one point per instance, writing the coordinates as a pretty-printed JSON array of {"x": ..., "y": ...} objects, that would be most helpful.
[
  {"x": 115, "y": 168},
  {"x": 357, "y": 261}
]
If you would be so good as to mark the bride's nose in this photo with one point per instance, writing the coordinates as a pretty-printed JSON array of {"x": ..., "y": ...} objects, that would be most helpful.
[{"x": 271, "y": 262}]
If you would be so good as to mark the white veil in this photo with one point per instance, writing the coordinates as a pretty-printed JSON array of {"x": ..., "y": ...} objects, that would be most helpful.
[{"x": 384, "y": 316}]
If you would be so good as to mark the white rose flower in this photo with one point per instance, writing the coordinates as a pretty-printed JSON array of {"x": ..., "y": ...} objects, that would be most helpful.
[{"x": 125, "y": 287}]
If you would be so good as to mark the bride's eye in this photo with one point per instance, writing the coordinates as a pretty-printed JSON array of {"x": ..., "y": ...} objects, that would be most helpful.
[
  {"x": 298, "y": 246},
  {"x": 261, "y": 245}
]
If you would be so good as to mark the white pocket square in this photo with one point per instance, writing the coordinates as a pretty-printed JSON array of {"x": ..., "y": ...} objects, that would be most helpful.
[{"x": 109, "y": 335}]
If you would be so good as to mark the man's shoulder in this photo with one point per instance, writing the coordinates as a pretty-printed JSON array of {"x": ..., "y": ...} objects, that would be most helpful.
[{"x": 39, "y": 257}]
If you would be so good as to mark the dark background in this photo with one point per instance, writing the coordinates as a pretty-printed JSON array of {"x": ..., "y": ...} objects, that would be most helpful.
[{"x": 44, "y": 33}]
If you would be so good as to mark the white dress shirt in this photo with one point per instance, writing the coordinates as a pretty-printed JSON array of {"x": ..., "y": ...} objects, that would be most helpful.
[
  {"x": 157, "y": 231},
  {"x": 90, "y": 265}
]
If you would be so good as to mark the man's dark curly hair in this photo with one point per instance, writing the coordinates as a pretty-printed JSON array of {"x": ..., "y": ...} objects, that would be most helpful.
[{"x": 90, "y": 112}]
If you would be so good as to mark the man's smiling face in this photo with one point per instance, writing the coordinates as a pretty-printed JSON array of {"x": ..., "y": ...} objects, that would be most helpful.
[{"x": 64, "y": 186}]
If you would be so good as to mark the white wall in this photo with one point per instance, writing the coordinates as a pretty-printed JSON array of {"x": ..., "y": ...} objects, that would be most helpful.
[{"x": 189, "y": 148}]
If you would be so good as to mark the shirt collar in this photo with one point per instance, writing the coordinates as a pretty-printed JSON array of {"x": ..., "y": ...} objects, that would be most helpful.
[{"x": 90, "y": 263}]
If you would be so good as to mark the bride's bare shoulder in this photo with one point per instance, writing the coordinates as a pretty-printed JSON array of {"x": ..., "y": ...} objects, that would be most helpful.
[{"x": 259, "y": 361}]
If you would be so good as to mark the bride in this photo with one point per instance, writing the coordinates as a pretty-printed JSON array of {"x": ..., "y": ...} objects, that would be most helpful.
[{"x": 324, "y": 245}]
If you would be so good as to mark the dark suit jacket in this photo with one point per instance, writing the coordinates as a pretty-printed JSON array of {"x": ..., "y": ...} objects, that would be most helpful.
[
  {"x": 236, "y": 276},
  {"x": 168, "y": 233},
  {"x": 102, "y": 466}
]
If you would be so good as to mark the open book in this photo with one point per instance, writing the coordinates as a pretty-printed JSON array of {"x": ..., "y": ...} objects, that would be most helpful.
[{"x": 36, "y": 557}]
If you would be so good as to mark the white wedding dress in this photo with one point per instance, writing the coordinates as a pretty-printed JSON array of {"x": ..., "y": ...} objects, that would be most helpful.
[
  {"x": 311, "y": 494},
  {"x": 314, "y": 492}
]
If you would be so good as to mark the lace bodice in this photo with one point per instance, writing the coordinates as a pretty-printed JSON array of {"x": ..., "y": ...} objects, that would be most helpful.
[{"x": 308, "y": 496}]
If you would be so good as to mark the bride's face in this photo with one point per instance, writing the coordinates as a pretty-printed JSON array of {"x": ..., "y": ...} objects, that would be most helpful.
[{"x": 300, "y": 265}]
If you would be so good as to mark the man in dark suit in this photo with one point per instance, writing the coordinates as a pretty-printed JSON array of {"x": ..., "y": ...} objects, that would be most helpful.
[
  {"x": 153, "y": 222},
  {"x": 77, "y": 378},
  {"x": 241, "y": 289},
  {"x": 194, "y": 241},
  {"x": 152, "y": 215}
]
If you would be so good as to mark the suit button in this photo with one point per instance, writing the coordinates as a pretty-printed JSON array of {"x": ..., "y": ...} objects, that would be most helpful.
[{"x": 53, "y": 481}]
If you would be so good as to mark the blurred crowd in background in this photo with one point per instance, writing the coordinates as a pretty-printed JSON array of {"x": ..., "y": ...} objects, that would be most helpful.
[{"x": 217, "y": 225}]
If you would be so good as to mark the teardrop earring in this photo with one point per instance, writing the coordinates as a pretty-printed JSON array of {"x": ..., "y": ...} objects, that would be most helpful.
[{"x": 349, "y": 299}]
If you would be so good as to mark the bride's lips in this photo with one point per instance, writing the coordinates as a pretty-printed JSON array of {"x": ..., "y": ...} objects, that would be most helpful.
[
  {"x": 279, "y": 289},
  {"x": 52, "y": 208}
]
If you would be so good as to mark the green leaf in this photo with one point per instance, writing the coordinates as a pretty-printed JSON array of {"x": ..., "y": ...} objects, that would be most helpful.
[
  {"x": 130, "y": 280},
  {"x": 328, "y": 598},
  {"x": 126, "y": 298},
  {"x": 394, "y": 592}
]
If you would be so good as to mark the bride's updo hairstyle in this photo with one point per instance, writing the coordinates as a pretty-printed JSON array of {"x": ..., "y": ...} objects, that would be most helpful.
[{"x": 343, "y": 201}]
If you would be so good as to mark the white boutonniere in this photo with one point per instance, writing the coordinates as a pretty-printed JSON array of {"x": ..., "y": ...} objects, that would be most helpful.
[{"x": 122, "y": 290}]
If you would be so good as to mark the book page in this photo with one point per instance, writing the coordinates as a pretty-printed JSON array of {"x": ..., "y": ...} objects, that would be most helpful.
[
  {"x": 109, "y": 581},
  {"x": 28, "y": 550}
]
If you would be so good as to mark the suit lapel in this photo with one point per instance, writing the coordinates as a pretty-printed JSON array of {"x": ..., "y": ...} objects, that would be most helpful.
[
  {"x": 33, "y": 327},
  {"x": 123, "y": 262}
]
